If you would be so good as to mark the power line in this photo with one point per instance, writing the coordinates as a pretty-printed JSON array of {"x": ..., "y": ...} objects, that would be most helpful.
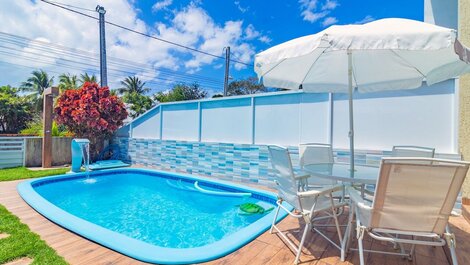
[
  {"x": 72, "y": 6},
  {"x": 119, "y": 74},
  {"x": 59, "y": 51},
  {"x": 144, "y": 34}
]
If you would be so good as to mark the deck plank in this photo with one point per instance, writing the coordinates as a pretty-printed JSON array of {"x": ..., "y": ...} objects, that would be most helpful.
[{"x": 266, "y": 249}]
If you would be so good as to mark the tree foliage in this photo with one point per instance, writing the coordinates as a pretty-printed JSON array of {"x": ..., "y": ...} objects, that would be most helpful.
[
  {"x": 138, "y": 104},
  {"x": 87, "y": 78},
  {"x": 133, "y": 85},
  {"x": 181, "y": 92},
  {"x": 90, "y": 112},
  {"x": 36, "y": 84},
  {"x": 245, "y": 87},
  {"x": 68, "y": 81},
  {"x": 15, "y": 110}
]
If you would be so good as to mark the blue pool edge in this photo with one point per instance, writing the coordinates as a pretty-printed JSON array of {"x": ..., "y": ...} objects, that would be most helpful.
[{"x": 138, "y": 249}]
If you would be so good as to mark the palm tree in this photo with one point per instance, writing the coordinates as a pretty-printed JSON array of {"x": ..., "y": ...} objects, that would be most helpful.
[
  {"x": 133, "y": 84},
  {"x": 36, "y": 84},
  {"x": 67, "y": 81},
  {"x": 87, "y": 78}
]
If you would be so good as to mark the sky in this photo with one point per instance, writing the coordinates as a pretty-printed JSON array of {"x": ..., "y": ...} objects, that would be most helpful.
[{"x": 37, "y": 35}]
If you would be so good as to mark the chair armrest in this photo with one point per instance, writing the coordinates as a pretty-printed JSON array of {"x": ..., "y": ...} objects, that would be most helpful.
[
  {"x": 299, "y": 173},
  {"x": 324, "y": 191},
  {"x": 356, "y": 198}
]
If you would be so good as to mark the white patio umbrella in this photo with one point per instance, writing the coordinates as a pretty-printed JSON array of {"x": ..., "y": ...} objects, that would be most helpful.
[{"x": 387, "y": 54}]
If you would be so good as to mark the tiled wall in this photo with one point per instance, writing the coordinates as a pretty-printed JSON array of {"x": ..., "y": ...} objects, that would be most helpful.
[{"x": 239, "y": 162}]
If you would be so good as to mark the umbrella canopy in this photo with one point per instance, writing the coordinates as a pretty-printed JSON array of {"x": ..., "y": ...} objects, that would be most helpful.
[{"x": 387, "y": 54}]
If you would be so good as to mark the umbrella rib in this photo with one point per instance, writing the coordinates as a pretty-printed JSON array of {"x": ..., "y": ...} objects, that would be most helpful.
[
  {"x": 274, "y": 67},
  {"x": 409, "y": 64},
  {"x": 311, "y": 66}
]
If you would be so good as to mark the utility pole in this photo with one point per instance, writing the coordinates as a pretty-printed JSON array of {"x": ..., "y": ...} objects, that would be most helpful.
[
  {"x": 227, "y": 66},
  {"x": 103, "y": 68}
]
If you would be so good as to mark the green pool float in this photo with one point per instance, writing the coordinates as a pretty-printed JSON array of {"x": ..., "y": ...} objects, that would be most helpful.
[{"x": 253, "y": 208}]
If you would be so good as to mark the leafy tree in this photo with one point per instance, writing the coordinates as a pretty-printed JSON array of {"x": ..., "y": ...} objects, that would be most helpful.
[
  {"x": 87, "y": 78},
  {"x": 90, "y": 112},
  {"x": 15, "y": 111},
  {"x": 181, "y": 92},
  {"x": 36, "y": 84},
  {"x": 138, "y": 104},
  {"x": 133, "y": 84},
  {"x": 68, "y": 81},
  {"x": 245, "y": 87}
]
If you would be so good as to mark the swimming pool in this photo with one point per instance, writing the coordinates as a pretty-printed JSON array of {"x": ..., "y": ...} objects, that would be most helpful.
[{"x": 150, "y": 215}]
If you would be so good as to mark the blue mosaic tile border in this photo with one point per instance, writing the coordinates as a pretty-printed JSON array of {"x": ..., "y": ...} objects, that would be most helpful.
[{"x": 227, "y": 161}]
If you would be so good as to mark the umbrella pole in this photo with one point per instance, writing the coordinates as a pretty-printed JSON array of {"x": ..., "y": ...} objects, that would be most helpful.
[{"x": 351, "y": 115}]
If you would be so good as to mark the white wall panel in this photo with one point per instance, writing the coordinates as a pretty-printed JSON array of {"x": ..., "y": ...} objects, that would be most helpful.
[
  {"x": 277, "y": 120},
  {"x": 227, "y": 121},
  {"x": 147, "y": 126},
  {"x": 423, "y": 117},
  {"x": 314, "y": 118},
  {"x": 181, "y": 122}
]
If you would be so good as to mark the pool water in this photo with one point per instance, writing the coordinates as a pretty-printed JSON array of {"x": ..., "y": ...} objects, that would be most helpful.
[
  {"x": 153, "y": 216},
  {"x": 151, "y": 208}
]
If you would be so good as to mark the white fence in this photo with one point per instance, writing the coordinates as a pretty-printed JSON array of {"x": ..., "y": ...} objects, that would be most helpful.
[
  {"x": 427, "y": 116},
  {"x": 12, "y": 151}
]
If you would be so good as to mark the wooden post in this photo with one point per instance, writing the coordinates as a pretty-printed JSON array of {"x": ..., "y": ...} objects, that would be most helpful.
[{"x": 47, "y": 126}]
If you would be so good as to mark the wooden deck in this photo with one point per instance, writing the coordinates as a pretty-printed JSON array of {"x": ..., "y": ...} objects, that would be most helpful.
[{"x": 266, "y": 249}]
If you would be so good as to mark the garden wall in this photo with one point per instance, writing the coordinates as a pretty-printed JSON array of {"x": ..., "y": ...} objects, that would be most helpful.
[
  {"x": 61, "y": 154},
  {"x": 227, "y": 137}
]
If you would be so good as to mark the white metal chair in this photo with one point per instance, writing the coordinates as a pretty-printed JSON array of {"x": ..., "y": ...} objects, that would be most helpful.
[
  {"x": 414, "y": 198},
  {"x": 308, "y": 204},
  {"x": 316, "y": 153},
  {"x": 412, "y": 151},
  {"x": 406, "y": 151}
]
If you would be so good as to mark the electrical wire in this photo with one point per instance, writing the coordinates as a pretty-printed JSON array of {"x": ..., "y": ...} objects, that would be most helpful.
[
  {"x": 82, "y": 54},
  {"x": 143, "y": 34}
]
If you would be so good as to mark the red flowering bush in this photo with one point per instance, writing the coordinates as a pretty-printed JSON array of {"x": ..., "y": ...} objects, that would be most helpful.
[{"x": 90, "y": 112}]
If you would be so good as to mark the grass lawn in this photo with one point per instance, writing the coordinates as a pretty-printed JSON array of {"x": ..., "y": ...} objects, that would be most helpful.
[
  {"x": 23, "y": 243},
  {"x": 24, "y": 173}
]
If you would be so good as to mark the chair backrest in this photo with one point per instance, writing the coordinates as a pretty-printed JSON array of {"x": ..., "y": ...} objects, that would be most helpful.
[
  {"x": 412, "y": 151},
  {"x": 285, "y": 179},
  {"x": 416, "y": 194},
  {"x": 314, "y": 153}
]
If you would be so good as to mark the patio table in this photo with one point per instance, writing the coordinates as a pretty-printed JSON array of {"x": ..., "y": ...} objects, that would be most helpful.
[{"x": 341, "y": 172}]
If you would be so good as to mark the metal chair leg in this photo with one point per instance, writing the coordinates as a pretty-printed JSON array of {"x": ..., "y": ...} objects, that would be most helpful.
[
  {"x": 302, "y": 241},
  {"x": 274, "y": 220},
  {"x": 360, "y": 237},
  {"x": 450, "y": 238}
]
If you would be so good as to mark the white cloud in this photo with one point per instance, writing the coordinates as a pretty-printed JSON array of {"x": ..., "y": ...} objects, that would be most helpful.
[
  {"x": 240, "y": 7},
  {"x": 265, "y": 39},
  {"x": 314, "y": 10},
  {"x": 330, "y": 5},
  {"x": 329, "y": 21},
  {"x": 159, "y": 5},
  {"x": 312, "y": 16},
  {"x": 366, "y": 19},
  {"x": 191, "y": 26},
  {"x": 251, "y": 32}
]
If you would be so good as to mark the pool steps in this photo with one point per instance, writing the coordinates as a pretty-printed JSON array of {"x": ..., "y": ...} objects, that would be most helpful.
[
  {"x": 221, "y": 193},
  {"x": 196, "y": 187}
]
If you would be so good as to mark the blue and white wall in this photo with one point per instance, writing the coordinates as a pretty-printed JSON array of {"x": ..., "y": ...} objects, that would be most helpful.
[{"x": 228, "y": 137}]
